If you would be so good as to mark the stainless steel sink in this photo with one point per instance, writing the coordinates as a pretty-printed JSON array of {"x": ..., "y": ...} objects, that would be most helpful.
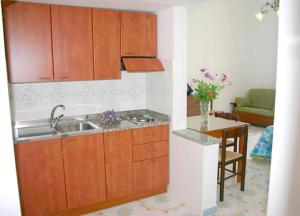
[
  {"x": 76, "y": 126},
  {"x": 34, "y": 131}
]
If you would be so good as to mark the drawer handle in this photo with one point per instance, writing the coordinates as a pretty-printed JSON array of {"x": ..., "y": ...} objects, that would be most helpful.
[
  {"x": 64, "y": 77},
  {"x": 129, "y": 53},
  {"x": 44, "y": 78}
]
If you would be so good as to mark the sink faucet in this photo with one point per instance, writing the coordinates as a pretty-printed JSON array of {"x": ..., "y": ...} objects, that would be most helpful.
[{"x": 54, "y": 121}]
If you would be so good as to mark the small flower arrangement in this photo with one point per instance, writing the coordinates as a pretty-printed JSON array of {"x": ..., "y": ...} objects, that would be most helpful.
[
  {"x": 209, "y": 87},
  {"x": 109, "y": 117}
]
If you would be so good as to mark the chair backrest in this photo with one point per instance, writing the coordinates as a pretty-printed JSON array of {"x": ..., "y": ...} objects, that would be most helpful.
[
  {"x": 228, "y": 116},
  {"x": 238, "y": 133}
]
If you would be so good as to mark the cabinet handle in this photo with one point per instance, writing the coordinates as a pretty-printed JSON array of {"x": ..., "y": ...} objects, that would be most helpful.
[
  {"x": 44, "y": 78},
  {"x": 129, "y": 53},
  {"x": 64, "y": 77}
]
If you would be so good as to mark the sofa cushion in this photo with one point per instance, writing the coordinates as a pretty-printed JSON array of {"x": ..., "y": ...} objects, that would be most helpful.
[
  {"x": 243, "y": 101},
  {"x": 258, "y": 111},
  {"x": 262, "y": 98}
]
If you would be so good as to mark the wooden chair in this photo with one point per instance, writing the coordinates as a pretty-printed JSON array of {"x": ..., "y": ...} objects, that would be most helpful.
[
  {"x": 229, "y": 157},
  {"x": 229, "y": 142}
]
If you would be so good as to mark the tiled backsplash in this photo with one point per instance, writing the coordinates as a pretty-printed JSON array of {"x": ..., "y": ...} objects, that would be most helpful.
[{"x": 35, "y": 100}]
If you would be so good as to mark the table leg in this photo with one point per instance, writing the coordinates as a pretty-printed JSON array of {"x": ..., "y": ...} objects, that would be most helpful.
[{"x": 240, "y": 163}]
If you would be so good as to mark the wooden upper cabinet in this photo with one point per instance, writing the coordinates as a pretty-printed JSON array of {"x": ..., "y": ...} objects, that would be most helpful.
[
  {"x": 28, "y": 42},
  {"x": 138, "y": 34},
  {"x": 118, "y": 164},
  {"x": 107, "y": 44},
  {"x": 84, "y": 169},
  {"x": 72, "y": 43},
  {"x": 41, "y": 177}
]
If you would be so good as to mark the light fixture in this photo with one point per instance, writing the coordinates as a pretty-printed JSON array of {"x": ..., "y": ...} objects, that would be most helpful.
[{"x": 265, "y": 9}]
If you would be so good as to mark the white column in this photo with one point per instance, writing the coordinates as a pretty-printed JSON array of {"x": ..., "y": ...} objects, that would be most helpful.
[
  {"x": 179, "y": 68},
  {"x": 284, "y": 194},
  {"x": 9, "y": 196}
]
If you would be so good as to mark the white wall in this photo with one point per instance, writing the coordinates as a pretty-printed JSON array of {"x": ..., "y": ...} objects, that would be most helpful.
[
  {"x": 9, "y": 197},
  {"x": 166, "y": 92},
  {"x": 35, "y": 100},
  {"x": 284, "y": 193},
  {"x": 225, "y": 37},
  {"x": 193, "y": 175}
]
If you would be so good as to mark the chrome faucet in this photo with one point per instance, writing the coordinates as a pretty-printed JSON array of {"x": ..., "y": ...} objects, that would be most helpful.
[{"x": 54, "y": 121}]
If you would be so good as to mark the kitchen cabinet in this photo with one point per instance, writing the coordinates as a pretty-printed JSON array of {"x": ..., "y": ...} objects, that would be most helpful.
[
  {"x": 150, "y": 134},
  {"x": 41, "y": 177},
  {"x": 118, "y": 164},
  {"x": 72, "y": 43},
  {"x": 79, "y": 173},
  {"x": 151, "y": 174},
  {"x": 150, "y": 156},
  {"x": 150, "y": 150},
  {"x": 63, "y": 43},
  {"x": 84, "y": 169},
  {"x": 28, "y": 42},
  {"x": 107, "y": 44},
  {"x": 138, "y": 34}
]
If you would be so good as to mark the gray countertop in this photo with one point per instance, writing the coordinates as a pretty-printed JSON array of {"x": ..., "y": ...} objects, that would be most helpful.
[
  {"x": 160, "y": 119},
  {"x": 197, "y": 137}
]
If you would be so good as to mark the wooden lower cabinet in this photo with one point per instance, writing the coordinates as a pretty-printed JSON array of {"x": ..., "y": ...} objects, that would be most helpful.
[
  {"x": 150, "y": 174},
  {"x": 84, "y": 169},
  {"x": 41, "y": 177},
  {"x": 118, "y": 164},
  {"x": 74, "y": 175}
]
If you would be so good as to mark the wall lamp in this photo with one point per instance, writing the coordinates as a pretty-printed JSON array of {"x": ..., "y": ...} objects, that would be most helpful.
[{"x": 265, "y": 9}]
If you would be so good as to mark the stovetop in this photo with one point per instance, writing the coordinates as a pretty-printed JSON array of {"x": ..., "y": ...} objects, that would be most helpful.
[{"x": 139, "y": 118}]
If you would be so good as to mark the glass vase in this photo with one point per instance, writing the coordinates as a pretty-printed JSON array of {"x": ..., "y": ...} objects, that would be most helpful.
[{"x": 204, "y": 109}]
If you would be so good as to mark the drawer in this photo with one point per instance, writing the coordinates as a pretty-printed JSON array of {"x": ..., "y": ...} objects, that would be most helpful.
[
  {"x": 150, "y": 174},
  {"x": 150, "y": 134},
  {"x": 151, "y": 150}
]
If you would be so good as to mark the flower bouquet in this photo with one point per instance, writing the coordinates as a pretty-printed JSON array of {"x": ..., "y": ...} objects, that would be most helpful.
[
  {"x": 109, "y": 118},
  {"x": 208, "y": 89}
]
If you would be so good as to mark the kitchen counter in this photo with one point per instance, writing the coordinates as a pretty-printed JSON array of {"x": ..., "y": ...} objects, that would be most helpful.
[
  {"x": 197, "y": 137},
  {"x": 93, "y": 119}
]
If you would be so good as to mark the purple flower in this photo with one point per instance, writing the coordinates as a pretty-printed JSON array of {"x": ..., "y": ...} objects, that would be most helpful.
[
  {"x": 194, "y": 80},
  {"x": 224, "y": 78},
  {"x": 208, "y": 76},
  {"x": 204, "y": 70}
]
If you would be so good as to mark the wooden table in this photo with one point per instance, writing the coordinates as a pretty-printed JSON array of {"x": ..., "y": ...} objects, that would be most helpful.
[{"x": 215, "y": 129}]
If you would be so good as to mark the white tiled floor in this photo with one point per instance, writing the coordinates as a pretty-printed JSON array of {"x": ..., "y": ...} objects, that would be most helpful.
[{"x": 253, "y": 201}]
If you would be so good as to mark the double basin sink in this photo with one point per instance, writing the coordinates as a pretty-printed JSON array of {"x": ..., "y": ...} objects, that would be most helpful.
[{"x": 44, "y": 128}]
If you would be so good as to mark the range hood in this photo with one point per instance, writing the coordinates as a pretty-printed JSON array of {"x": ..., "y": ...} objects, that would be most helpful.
[{"x": 141, "y": 64}]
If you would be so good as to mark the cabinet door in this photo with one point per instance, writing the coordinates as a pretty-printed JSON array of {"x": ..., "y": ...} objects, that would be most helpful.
[
  {"x": 151, "y": 174},
  {"x": 107, "y": 44},
  {"x": 41, "y": 177},
  {"x": 28, "y": 42},
  {"x": 72, "y": 43},
  {"x": 84, "y": 169},
  {"x": 118, "y": 163},
  {"x": 138, "y": 34}
]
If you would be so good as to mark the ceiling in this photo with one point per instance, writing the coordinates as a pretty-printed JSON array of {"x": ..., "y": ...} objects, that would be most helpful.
[{"x": 138, "y": 5}]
